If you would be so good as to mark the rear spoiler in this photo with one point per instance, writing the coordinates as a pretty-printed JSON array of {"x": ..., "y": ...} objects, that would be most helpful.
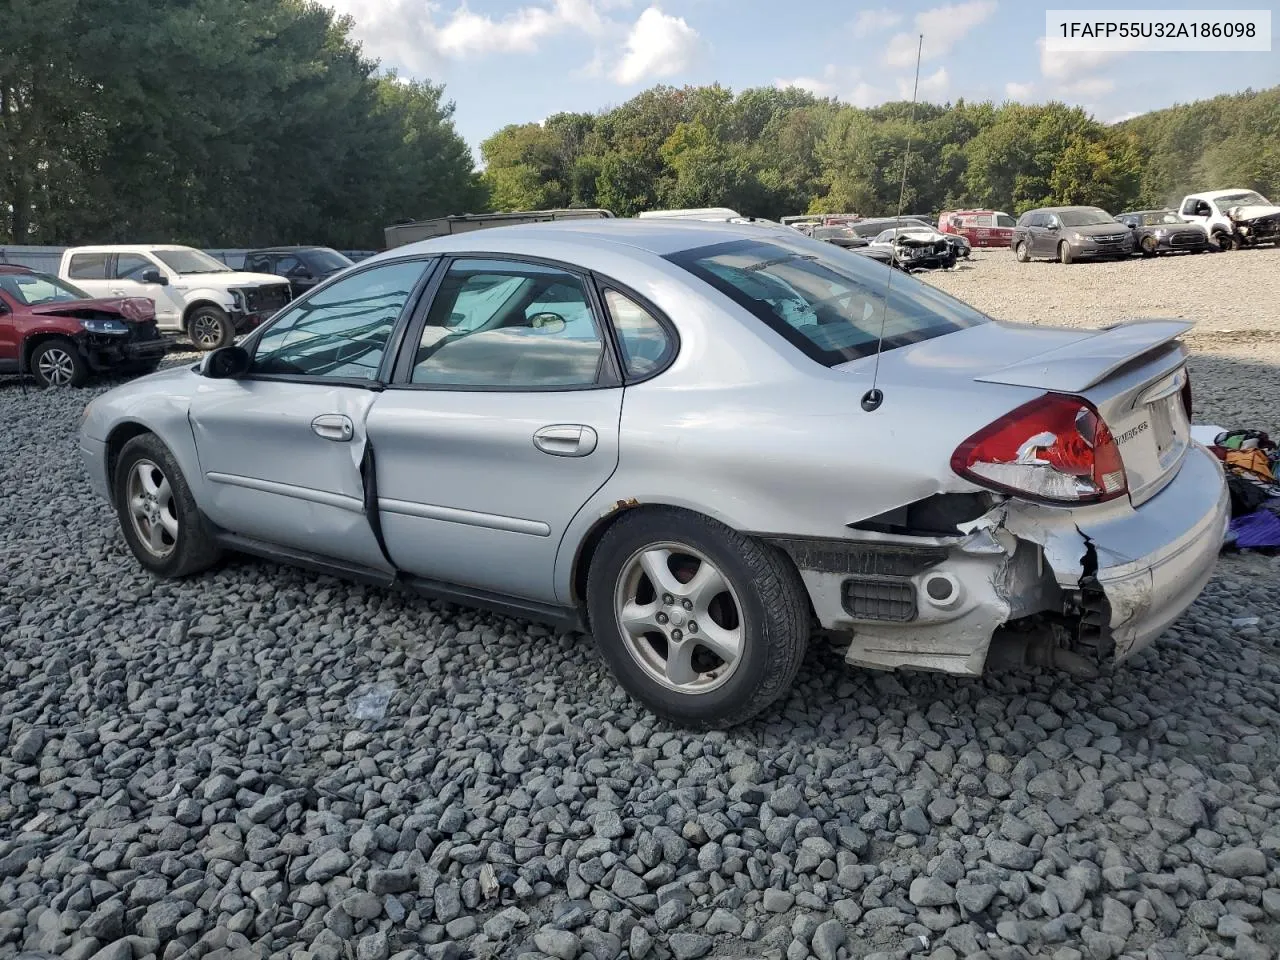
[{"x": 1078, "y": 366}]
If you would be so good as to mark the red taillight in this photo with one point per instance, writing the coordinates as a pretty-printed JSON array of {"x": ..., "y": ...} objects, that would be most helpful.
[{"x": 1054, "y": 448}]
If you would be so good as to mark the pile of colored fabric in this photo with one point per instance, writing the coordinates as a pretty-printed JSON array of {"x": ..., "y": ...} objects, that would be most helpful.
[{"x": 1251, "y": 460}]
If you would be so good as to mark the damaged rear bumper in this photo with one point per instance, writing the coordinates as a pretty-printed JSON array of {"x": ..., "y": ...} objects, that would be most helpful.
[{"x": 1115, "y": 575}]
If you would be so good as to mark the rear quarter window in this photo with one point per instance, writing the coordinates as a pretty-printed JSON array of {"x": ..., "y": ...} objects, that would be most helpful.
[
  {"x": 88, "y": 266},
  {"x": 831, "y": 306}
]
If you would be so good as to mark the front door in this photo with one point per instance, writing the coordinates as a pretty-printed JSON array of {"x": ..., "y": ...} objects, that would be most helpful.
[
  {"x": 128, "y": 274},
  {"x": 500, "y": 423},
  {"x": 8, "y": 335},
  {"x": 284, "y": 449}
]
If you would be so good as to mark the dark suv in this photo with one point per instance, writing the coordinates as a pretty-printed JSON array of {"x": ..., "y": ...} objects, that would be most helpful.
[
  {"x": 1067, "y": 234},
  {"x": 303, "y": 267}
]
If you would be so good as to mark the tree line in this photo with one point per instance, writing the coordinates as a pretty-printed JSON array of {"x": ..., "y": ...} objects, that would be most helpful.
[
  {"x": 247, "y": 122},
  {"x": 769, "y": 152},
  {"x": 213, "y": 122}
]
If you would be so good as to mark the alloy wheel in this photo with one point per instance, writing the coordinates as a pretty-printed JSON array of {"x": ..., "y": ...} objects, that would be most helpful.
[
  {"x": 56, "y": 366},
  {"x": 680, "y": 618},
  {"x": 152, "y": 509},
  {"x": 206, "y": 330}
]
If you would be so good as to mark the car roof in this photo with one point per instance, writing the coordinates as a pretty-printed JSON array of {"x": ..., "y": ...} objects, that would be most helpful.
[
  {"x": 15, "y": 268},
  {"x": 655, "y": 235},
  {"x": 1213, "y": 194},
  {"x": 126, "y": 247},
  {"x": 297, "y": 249},
  {"x": 1137, "y": 213},
  {"x": 1077, "y": 206}
]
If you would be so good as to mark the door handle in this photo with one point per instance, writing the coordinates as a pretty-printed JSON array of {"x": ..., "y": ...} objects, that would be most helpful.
[
  {"x": 117, "y": 292},
  {"x": 333, "y": 426},
  {"x": 566, "y": 440}
]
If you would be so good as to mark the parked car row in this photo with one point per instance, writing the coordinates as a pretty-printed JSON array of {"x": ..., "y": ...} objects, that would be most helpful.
[
  {"x": 1216, "y": 220},
  {"x": 117, "y": 308}
]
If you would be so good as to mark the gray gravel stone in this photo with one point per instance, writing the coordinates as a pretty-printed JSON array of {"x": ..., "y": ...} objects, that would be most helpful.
[
  {"x": 1242, "y": 861},
  {"x": 556, "y": 943},
  {"x": 689, "y": 946}
]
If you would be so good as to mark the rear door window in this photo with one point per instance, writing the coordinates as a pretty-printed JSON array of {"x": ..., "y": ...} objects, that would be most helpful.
[
  {"x": 830, "y": 306},
  {"x": 88, "y": 266}
]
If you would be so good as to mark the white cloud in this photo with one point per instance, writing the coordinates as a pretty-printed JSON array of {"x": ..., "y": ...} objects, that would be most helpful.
[
  {"x": 819, "y": 88},
  {"x": 865, "y": 95},
  {"x": 1019, "y": 91},
  {"x": 658, "y": 46},
  {"x": 873, "y": 21},
  {"x": 943, "y": 28},
  {"x": 932, "y": 87},
  {"x": 1128, "y": 115}
]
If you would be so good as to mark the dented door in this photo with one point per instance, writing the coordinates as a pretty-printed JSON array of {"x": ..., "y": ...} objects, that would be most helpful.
[{"x": 282, "y": 463}]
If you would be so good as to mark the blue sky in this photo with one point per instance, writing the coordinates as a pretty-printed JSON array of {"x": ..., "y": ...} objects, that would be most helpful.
[{"x": 514, "y": 61}]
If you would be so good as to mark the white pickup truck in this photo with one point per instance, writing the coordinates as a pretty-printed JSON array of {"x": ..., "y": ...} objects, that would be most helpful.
[
  {"x": 1233, "y": 218},
  {"x": 195, "y": 294}
]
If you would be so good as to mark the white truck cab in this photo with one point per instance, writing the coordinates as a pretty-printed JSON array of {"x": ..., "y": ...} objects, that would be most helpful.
[
  {"x": 194, "y": 293},
  {"x": 1234, "y": 217}
]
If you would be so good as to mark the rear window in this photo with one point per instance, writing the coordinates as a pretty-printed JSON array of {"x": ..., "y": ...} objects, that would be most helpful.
[{"x": 830, "y": 305}]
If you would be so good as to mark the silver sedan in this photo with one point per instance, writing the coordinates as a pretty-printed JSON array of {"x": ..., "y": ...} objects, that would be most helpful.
[{"x": 664, "y": 433}]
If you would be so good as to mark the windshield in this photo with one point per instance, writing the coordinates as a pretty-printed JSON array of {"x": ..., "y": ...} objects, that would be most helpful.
[
  {"x": 34, "y": 288},
  {"x": 1160, "y": 216},
  {"x": 191, "y": 261},
  {"x": 830, "y": 304},
  {"x": 328, "y": 261},
  {"x": 1250, "y": 198},
  {"x": 1084, "y": 217}
]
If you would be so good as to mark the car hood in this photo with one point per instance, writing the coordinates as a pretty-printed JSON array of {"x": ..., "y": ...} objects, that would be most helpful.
[
  {"x": 131, "y": 309},
  {"x": 236, "y": 278},
  {"x": 1096, "y": 229},
  {"x": 1252, "y": 211}
]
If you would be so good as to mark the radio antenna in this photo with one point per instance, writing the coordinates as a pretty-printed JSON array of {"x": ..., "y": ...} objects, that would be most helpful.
[{"x": 872, "y": 399}]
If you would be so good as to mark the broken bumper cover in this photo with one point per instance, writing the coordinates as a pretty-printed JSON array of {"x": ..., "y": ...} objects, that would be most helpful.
[
  {"x": 935, "y": 603},
  {"x": 1153, "y": 562}
]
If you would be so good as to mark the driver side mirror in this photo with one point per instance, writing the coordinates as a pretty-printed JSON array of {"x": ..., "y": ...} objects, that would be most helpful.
[
  {"x": 225, "y": 363},
  {"x": 155, "y": 276},
  {"x": 1054, "y": 223}
]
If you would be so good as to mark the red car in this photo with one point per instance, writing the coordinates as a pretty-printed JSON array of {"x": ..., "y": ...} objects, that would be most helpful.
[
  {"x": 982, "y": 228},
  {"x": 60, "y": 335}
]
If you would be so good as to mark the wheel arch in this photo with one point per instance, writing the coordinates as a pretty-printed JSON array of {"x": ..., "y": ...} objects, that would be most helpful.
[
  {"x": 29, "y": 345},
  {"x": 590, "y": 542},
  {"x": 203, "y": 300},
  {"x": 121, "y": 434}
]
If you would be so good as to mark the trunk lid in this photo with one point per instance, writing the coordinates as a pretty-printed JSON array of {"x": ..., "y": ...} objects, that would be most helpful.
[{"x": 1133, "y": 373}]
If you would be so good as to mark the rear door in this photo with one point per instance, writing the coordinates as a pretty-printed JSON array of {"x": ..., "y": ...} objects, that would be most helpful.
[
  {"x": 127, "y": 272},
  {"x": 8, "y": 332},
  {"x": 284, "y": 449},
  {"x": 88, "y": 271},
  {"x": 1002, "y": 229},
  {"x": 500, "y": 423}
]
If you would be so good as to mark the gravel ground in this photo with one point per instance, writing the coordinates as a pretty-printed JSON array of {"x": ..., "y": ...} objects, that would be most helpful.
[{"x": 202, "y": 768}]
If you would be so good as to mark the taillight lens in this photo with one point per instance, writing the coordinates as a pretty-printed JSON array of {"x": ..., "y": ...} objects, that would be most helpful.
[{"x": 1054, "y": 448}]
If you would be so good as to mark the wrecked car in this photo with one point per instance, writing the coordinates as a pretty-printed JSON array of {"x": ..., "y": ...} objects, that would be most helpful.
[
  {"x": 61, "y": 336},
  {"x": 1234, "y": 218},
  {"x": 664, "y": 433},
  {"x": 917, "y": 248},
  {"x": 1163, "y": 231}
]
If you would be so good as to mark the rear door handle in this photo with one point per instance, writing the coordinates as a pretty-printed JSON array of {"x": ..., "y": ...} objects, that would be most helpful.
[
  {"x": 333, "y": 426},
  {"x": 566, "y": 440}
]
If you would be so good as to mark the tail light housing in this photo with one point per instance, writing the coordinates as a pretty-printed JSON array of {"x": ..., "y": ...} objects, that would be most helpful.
[{"x": 1055, "y": 448}]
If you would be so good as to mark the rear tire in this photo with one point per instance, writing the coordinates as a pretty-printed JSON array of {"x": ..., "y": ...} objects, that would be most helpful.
[
  {"x": 1021, "y": 252},
  {"x": 209, "y": 328},
  {"x": 704, "y": 626},
  {"x": 58, "y": 363},
  {"x": 158, "y": 515},
  {"x": 1064, "y": 252}
]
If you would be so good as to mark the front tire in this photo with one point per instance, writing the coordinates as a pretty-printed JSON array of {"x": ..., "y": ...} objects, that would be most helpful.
[
  {"x": 1225, "y": 241},
  {"x": 158, "y": 515},
  {"x": 1149, "y": 246},
  {"x": 704, "y": 626},
  {"x": 1021, "y": 252},
  {"x": 1064, "y": 252},
  {"x": 58, "y": 363},
  {"x": 209, "y": 328}
]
